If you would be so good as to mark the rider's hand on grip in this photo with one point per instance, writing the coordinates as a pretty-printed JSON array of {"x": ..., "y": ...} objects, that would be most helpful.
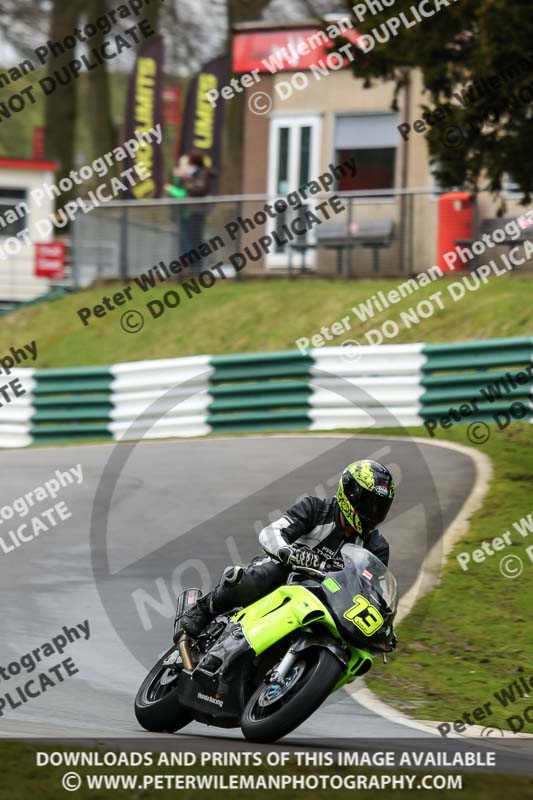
[
  {"x": 303, "y": 557},
  {"x": 284, "y": 554},
  {"x": 334, "y": 564}
]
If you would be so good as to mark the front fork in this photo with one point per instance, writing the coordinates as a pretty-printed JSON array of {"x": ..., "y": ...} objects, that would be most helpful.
[
  {"x": 308, "y": 639},
  {"x": 279, "y": 674},
  {"x": 356, "y": 662}
]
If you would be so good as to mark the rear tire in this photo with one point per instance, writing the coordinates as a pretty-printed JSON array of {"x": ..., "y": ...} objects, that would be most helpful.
[
  {"x": 157, "y": 706},
  {"x": 267, "y": 724}
]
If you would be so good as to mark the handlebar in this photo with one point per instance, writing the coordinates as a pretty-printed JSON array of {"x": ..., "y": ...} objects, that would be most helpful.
[
  {"x": 326, "y": 565},
  {"x": 319, "y": 573}
]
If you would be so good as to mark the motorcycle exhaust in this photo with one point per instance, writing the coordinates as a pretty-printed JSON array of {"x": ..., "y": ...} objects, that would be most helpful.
[
  {"x": 186, "y": 600},
  {"x": 185, "y": 652}
]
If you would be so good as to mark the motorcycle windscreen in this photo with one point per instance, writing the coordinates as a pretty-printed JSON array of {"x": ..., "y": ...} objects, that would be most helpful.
[
  {"x": 379, "y": 577},
  {"x": 362, "y": 597}
]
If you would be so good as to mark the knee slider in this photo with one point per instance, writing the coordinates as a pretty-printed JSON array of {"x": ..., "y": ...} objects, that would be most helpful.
[{"x": 232, "y": 575}]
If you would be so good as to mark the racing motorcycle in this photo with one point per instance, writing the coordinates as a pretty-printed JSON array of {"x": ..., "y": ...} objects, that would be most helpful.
[{"x": 269, "y": 666}]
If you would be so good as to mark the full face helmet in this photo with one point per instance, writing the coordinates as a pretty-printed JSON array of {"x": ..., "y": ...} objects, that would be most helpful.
[{"x": 365, "y": 493}]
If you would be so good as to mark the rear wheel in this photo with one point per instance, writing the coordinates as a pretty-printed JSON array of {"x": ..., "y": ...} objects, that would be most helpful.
[
  {"x": 274, "y": 710},
  {"x": 157, "y": 705}
]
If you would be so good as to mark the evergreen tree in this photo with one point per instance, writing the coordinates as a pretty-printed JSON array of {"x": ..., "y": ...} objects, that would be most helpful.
[{"x": 476, "y": 56}]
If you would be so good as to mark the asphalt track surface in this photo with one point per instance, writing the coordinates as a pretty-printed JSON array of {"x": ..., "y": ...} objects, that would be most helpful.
[{"x": 191, "y": 505}]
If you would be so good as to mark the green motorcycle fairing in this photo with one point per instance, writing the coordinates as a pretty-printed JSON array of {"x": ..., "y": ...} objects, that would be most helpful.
[{"x": 288, "y": 609}]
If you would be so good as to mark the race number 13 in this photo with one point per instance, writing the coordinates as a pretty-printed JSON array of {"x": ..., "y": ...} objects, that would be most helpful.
[{"x": 364, "y": 616}]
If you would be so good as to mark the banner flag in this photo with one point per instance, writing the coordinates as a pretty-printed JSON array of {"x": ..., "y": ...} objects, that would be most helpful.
[
  {"x": 144, "y": 111},
  {"x": 203, "y": 124}
]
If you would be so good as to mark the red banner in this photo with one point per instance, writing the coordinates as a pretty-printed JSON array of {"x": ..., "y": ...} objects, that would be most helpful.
[
  {"x": 172, "y": 105},
  {"x": 289, "y": 50},
  {"x": 49, "y": 260}
]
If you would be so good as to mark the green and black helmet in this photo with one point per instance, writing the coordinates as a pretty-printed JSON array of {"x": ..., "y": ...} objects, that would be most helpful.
[{"x": 365, "y": 494}]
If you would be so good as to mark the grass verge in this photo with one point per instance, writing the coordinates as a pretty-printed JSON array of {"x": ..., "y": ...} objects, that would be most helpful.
[
  {"x": 470, "y": 637},
  {"x": 254, "y": 316}
]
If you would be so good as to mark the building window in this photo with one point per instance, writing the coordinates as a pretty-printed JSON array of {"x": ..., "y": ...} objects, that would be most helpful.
[
  {"x": 375, "y": 169},
  {"x": 13, "y": 211},
  {"x": 372, "y": 140}
]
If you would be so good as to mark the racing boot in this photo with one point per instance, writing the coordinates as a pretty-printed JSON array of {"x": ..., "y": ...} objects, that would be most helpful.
[
  {"x": 198, "y": 617},
  {"x": 224, "y": 597}
]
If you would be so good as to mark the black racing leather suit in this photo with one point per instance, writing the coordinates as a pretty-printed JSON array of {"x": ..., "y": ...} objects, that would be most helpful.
[{"x": 313, "y": 523}]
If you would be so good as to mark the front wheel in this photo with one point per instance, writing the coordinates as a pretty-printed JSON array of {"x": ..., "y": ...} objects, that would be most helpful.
[
  {"x": 157, "y": 705},
  {"x": 274, "y": 711}
]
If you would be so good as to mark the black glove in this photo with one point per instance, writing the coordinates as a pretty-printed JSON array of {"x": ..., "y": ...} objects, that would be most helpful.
[
  {"x": 284, "y": 554},
  {"x": 334, "y": 564},
  {"x": 303, "y": 557}
]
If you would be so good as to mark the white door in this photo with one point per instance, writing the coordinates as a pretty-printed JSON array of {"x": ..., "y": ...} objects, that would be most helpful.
[{"x": 293, "y": 162}]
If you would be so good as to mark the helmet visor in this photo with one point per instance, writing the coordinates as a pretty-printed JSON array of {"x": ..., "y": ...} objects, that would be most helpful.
[{"x": 374, "y": 507}]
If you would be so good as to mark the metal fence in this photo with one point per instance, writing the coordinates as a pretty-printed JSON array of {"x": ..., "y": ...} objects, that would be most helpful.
[{"x": 125, "y": 238}]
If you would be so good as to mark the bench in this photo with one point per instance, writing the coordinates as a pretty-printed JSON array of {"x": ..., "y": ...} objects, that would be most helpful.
[
  {"x": 345, "y": 236},
  {"x": 490, "y": 225}
]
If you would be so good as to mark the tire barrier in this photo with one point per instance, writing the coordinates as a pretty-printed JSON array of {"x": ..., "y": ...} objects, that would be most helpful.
[
  {"x": 483, "y": 378},
  {"x": 321, "y": 389},
  {"x": 17, "y": 413}
]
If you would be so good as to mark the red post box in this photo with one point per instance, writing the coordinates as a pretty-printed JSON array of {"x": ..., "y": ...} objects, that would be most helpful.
[{"x": 456, "y": 225}]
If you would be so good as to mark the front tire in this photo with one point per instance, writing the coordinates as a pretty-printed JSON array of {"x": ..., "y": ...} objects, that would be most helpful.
[
  {"x": 157, "y": 705},
  {"x": 266, "y": 723}
]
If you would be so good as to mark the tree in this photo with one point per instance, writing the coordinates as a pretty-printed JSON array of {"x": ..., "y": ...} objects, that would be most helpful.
[
  {"x": 22, "y": 24},
  {"x": 482, "y": 49},
  {"x": 152, "y": 14},
  {"x": 61, "y": 104},
  {"x": 237, "y": 11},
  {"x": 100, "y": 117}
]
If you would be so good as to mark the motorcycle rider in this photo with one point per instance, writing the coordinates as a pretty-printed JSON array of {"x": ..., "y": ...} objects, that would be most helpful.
[{"x": 311, "y": 531}]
